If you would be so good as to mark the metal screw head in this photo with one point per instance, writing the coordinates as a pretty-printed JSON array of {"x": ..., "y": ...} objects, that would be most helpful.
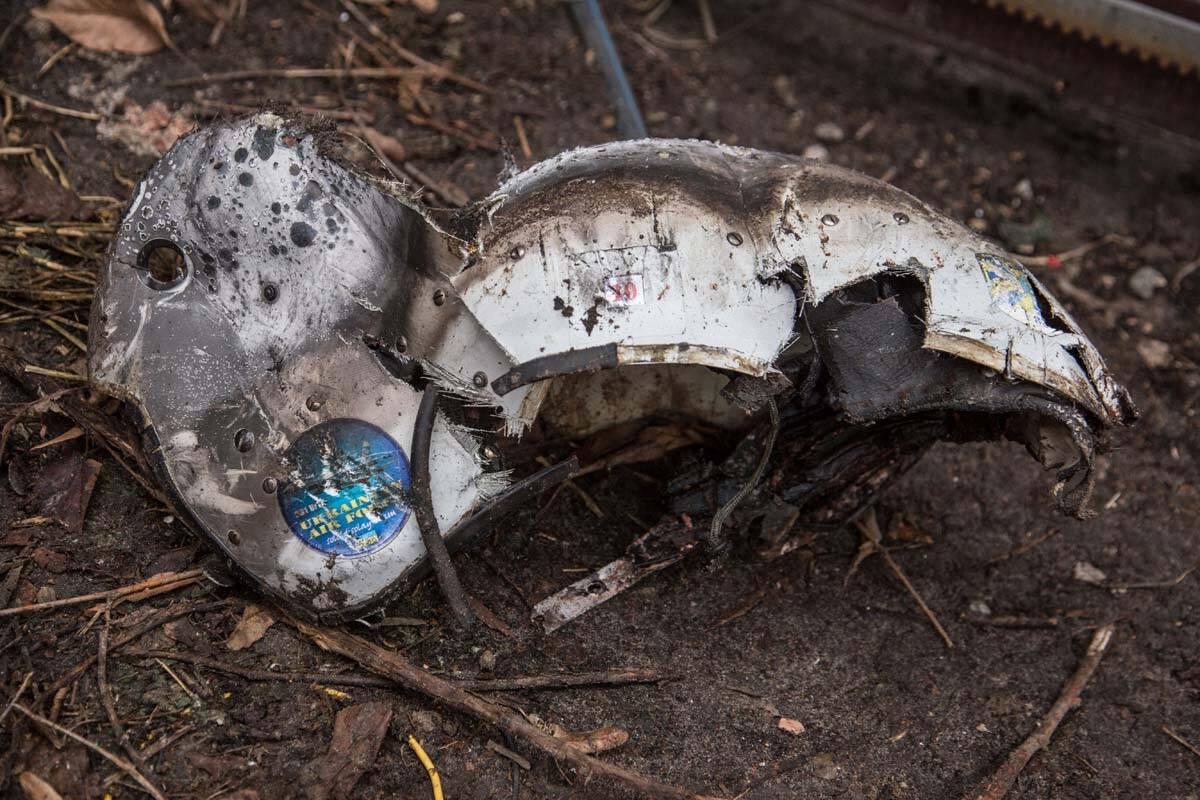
[
  {"x": 489, "y": 452},
  {"x": 900, "y": 217},
  {"x": 270, "y": 292},
  {"x": 734, "y": 238},
  {"x": 480, "y": 380},
  {"x": 439, "y": 297},
  {"x": 401, "y": 344},
  {"x": 243, "y": 440},
  {"x": 596, "y": 587},
  {"x": 314, "y": 403},
  {"x": 829, "y": 219},
  {"x": 269, "y": 485},
  {"x": 517, "y": 253}
]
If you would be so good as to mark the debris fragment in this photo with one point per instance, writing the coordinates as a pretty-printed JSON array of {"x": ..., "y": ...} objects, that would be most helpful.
[
  {"x": 1155, "y": 353},
  {"x": 122, "y": 26},
  {"x": 358, "y": 733},
  {"x": 1145, "y": 281},
  {"x": 255, "y": 622},
  {"x": 792, "y": 726},
  {"x": 824, "y": 767},
  {"x": 1086, "y": 572},
  {"x": 599, "y": 740},
  {"x": 829, "y": 132},
  {"x": 148, "y": 131}
]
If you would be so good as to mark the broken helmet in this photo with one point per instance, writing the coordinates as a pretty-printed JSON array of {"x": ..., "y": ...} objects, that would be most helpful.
[{"x": 317, "y": 357}]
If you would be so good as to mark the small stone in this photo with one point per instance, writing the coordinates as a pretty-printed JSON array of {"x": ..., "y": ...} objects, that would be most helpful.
[
  {"x": 817, "y": 152},
  {"x": 1024, "y": 190},
  {"x": 1155, "y": 353},
  {"x": 829, "y": 132},
  {"x": 978, "y": 225},
  {"x": 487, "y": 661},
  {"x": 782, "y": 85},
  {"x": 1088, "y": 573},
  {"x": 46, "y": 594},
  {"x": 981, "y": 608},
  {"x": 1146, "y": 281}
]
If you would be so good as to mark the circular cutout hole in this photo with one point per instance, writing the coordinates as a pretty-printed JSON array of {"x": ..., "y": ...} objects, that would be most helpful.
[
  {"x": 234, "y": 538},
  {"x": 163, "y": 264}
]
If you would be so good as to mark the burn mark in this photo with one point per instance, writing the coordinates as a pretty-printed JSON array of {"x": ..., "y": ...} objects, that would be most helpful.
[
  {"x": 591, "y": 317},
  {"x": 303, "y": 234},
  {"x": 264, "y": 142}
]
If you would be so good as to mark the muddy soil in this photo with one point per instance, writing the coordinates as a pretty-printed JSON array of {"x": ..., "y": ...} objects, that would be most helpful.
[{"x": 888, "y": 711}]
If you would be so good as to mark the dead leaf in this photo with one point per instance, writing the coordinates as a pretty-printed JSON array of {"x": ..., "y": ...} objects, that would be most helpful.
[
  {"x": 66, "y": 486},
  {"x": 27, "y": 194},
  {"x": 122, "y": 26},
  {"x": 37, "y": 789},
  {"x": 18, "y": 537},
  {"x": 51, "y": 560},
  {"x": 358, "y": 733},
  {"x": 250, "y": 628},
  {"x": 597, "y": 741},
  {"x": 793, "y": 726}
]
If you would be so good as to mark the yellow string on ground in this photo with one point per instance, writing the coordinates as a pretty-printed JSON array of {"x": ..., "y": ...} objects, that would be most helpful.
[{"x": 429, "y": 767}]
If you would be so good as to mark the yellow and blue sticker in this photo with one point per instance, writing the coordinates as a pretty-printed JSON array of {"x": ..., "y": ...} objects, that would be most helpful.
[
  {"x": 1010, "y": 288},
  {"x": 348, "y": 491}
]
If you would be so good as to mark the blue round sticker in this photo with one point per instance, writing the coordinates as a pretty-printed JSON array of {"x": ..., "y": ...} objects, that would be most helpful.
[{"x": 347, "y": 494}]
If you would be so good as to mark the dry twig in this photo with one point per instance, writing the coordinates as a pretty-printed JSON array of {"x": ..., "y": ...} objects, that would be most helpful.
[
  {"x": 122, "y": 764},
  {"x": 1170, "y": 732},
  {"x": 176, "y": 580},
  {"x": 1007, "y": 774},
  {"x": 396, "y": 667},
  {"x": 106, "y": 698},
  {"x": 872, "y": 542}
]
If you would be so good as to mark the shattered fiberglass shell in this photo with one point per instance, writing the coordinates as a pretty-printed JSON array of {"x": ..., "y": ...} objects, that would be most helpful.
[{"x": 274, "y": 316}]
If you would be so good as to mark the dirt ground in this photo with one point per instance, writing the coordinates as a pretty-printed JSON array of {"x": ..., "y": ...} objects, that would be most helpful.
[{"x": 887, "y": 710}]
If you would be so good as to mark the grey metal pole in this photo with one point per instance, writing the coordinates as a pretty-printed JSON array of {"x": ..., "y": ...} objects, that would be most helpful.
[{"x": 595, "y": 31}]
